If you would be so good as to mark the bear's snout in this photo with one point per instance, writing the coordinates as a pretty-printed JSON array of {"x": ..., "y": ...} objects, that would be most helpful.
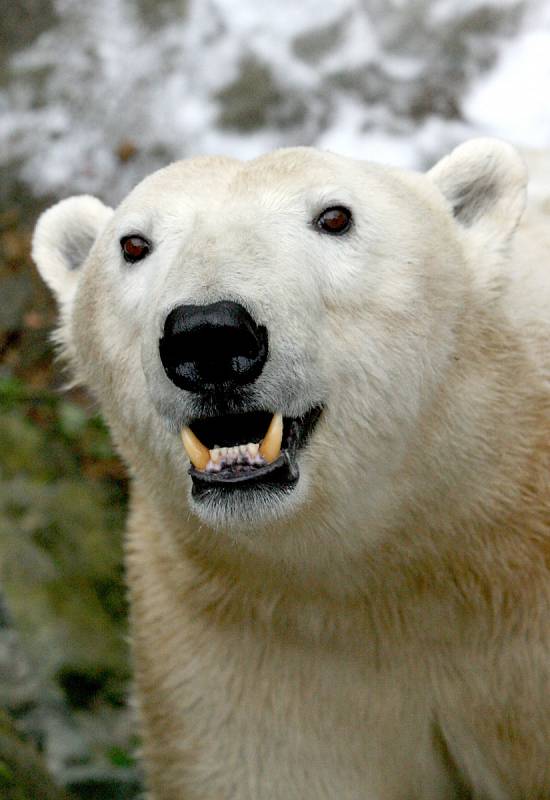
[{"x": 205, "y": 348}]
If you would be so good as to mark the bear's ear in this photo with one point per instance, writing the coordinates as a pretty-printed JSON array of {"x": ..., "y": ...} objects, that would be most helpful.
[
  {"x": 62, "y": 239},
  {"x": 484, "y": 181}
]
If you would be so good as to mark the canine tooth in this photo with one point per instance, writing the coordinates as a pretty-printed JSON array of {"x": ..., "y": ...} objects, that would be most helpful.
[
  {"x": 270, "y": 448},
  {"x": 199, "y": 455}
]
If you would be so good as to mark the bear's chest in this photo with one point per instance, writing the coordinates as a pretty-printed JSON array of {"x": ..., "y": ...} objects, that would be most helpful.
[{"x": 256, "y": 717}]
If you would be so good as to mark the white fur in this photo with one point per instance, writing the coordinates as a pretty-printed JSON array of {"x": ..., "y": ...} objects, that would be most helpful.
[
  {"x": 381, "y": 633},
  {"x": 63, "y": 239}
]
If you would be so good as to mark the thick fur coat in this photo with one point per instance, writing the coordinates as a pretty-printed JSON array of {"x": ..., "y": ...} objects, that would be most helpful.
[{"x": 382, "y": 630}]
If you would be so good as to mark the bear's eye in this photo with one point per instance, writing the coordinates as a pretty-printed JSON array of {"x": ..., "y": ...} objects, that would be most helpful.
[
  {"x": 335, "y": 220},
  {"x": 134, "y": 248}
]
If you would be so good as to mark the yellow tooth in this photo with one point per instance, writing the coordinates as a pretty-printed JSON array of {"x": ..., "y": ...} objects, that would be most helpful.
[
  {"x": 199, "y": 455},
  {"x": 270, "y": 448}
]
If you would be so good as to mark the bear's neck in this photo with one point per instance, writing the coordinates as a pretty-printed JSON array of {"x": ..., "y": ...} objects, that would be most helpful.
[{"x": 469, "y": 549}]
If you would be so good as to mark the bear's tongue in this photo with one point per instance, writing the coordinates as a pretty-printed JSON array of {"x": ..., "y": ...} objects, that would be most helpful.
[{"x": 251, "y": 454}]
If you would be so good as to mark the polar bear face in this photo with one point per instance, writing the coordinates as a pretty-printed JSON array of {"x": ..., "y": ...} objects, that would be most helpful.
[{"x": 290, "y": 319}]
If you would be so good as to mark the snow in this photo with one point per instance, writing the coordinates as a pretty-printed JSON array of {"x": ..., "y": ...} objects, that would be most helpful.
[
  {"x": 512, "y": 101},
  {"x": 397, "y": 81}
]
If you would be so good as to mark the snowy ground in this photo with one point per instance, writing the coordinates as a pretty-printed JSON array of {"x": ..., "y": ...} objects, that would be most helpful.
[{"x": 112, "y": 89}]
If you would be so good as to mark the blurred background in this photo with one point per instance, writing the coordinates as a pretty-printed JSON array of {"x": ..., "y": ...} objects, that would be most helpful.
[{"x": 93, "y": 96}]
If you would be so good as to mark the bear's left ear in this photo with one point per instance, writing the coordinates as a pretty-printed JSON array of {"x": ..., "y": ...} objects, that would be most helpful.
[
  {"x": 63, "y": 237},
  {"x": 484, "y": 181}
]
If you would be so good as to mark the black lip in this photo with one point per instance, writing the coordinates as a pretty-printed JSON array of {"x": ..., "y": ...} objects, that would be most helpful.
[{"x": 280, "y": 476}]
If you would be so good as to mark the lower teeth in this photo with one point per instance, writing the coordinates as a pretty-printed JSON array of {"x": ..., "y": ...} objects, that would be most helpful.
[{"x": 240, "y": 455}]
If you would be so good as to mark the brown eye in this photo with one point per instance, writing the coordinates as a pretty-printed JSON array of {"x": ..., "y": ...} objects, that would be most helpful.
[
  {"x": 335, "y": 220},
  {"x": 134, "y": 248}
]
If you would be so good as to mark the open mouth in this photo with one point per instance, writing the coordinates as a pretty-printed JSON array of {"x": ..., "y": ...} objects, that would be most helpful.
[{"x": 245, "y": 451}]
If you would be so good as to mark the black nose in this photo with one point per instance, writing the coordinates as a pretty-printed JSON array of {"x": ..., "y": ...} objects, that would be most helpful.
[{"x": 218, "y": 346}]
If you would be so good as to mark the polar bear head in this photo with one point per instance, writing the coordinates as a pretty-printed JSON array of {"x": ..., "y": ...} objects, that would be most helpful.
[{"x": 294, "y": 319}]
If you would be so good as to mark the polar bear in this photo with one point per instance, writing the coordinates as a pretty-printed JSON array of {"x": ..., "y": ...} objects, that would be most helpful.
[{"x": 329, "y": 380}]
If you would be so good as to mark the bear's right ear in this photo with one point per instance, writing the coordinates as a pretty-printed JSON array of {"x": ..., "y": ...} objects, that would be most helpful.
[{"x": 62, "y": 239}]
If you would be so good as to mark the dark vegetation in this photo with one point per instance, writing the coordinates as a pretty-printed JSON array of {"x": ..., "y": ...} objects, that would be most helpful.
[{"x": 63, "y": 658}]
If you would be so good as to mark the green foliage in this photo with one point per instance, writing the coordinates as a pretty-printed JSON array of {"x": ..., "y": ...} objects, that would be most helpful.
[
  {"x": 119, "y": 757},
  {"x": 62, "y": 506},
  {"x": 61, "y": 516},
  {"x": 6, "y": 774},
  {"x": 63, "y": 436}
]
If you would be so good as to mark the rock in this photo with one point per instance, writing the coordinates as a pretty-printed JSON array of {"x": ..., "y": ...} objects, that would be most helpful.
[{"x": 23, "y": 775}]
